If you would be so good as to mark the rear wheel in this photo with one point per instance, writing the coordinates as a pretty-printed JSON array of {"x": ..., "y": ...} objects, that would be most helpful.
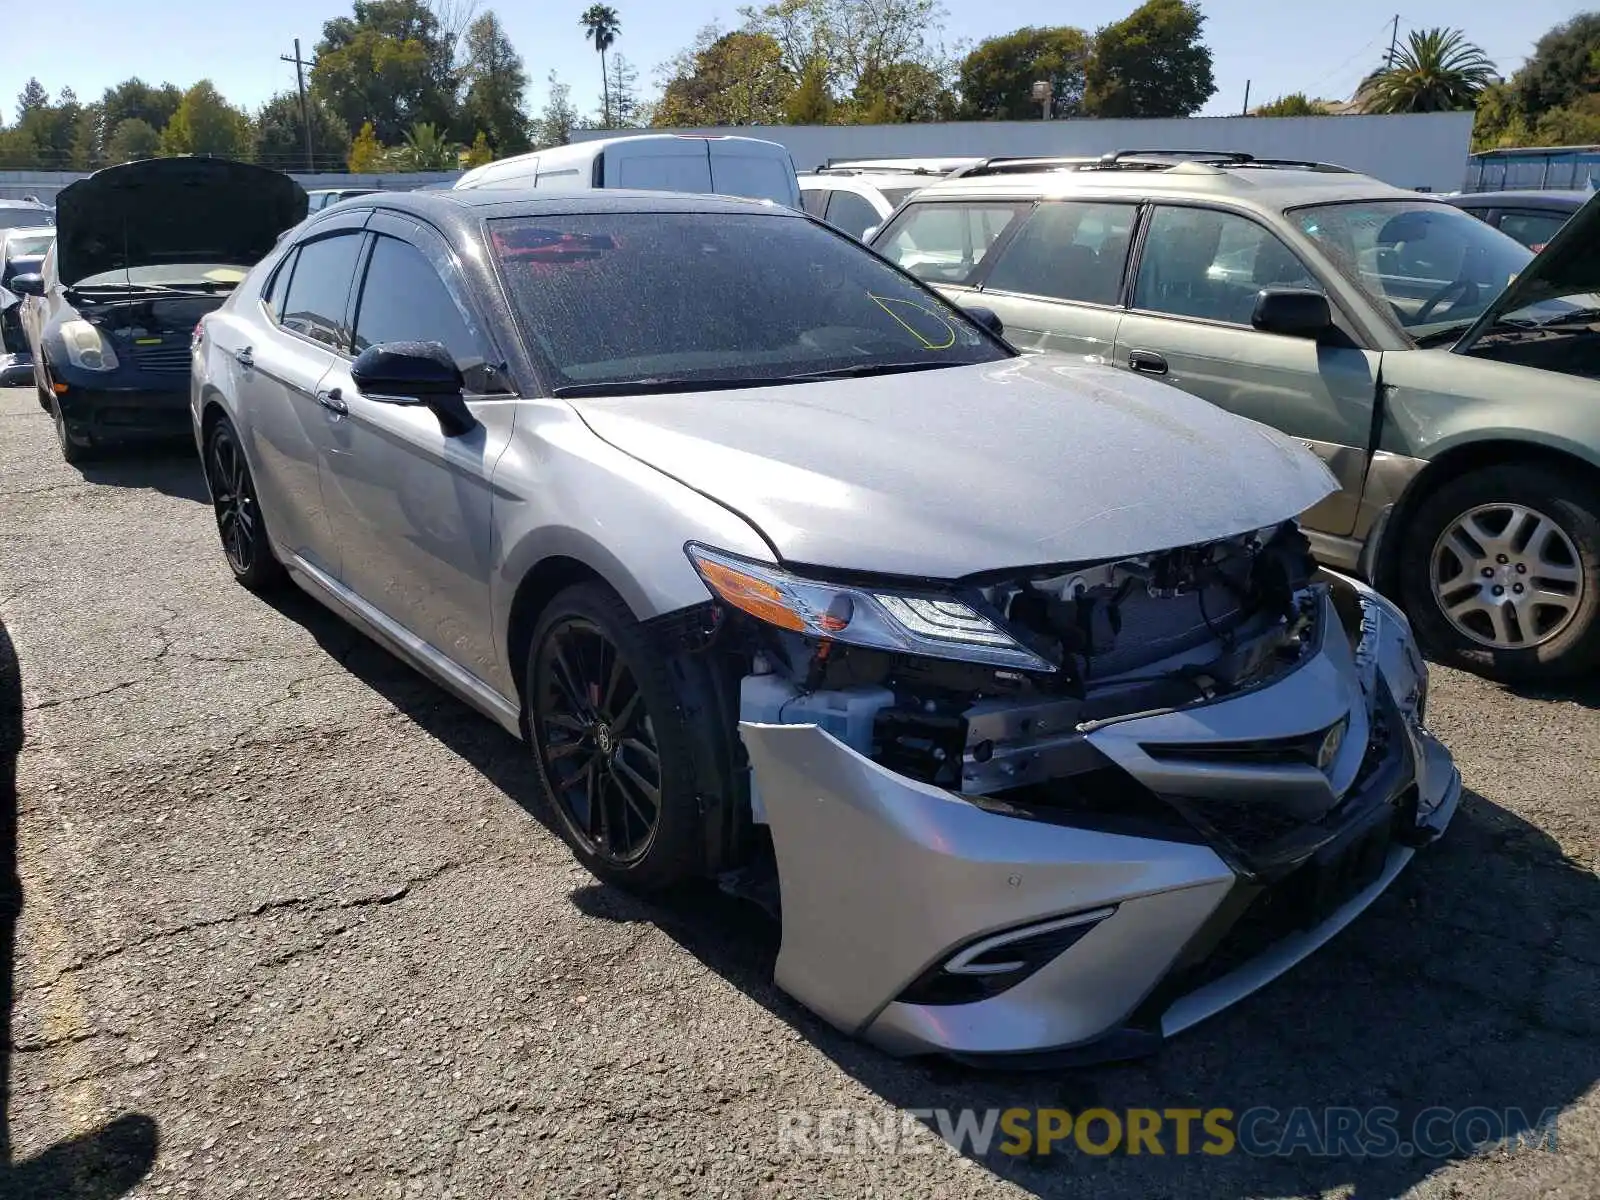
[
  {"x": 1501, "y": 572},
  {"x": 612, "y": 743},
  {"x": 240, "y": 524}
]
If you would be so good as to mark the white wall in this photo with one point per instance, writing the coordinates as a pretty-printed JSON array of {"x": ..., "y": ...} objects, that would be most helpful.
[
  {"x": 44, "y": 185},
  {"x": 1427, "y": 150}
]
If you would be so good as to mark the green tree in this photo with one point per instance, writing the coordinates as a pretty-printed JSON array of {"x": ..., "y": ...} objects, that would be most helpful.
[
  {"x": 205, "y": 123},
  {"x": 31, "y": 100},
  {"x": 134, "y": 99},
  {"x": 427, "y": 149},
  {"x": 622, "y": 93},
  {"x": 88, "y": 138},
  {"x": 131, "y": 139},
  {"x": 1151, "y": 63},
  {"x": 480, "y": 153},
  {"x": 998, "y": 75},
  {"x": 280, "y": 139},
  {"x": 602, "y": 26},
  {"x": 367, "y": 155},
  {"x": 901, "y": 92},
  {"x": 1295, "y": 104},
  {"x": 391, "y": 64},
  {"x": 733, "y": 78},
  {"x": 555, "y": 124},
  {"x": 495, "y": 82},
  {"x": 811, "y": 103},
  {"x": 1436, "y": 70},
  {"x": 849, "y": 38},
  {"x": 1564, "y": 68}
]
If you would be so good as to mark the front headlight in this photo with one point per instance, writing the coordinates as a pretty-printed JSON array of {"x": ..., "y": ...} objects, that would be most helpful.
[
  {"x": 87, "y": 348},
  {"x": 906, "y": 622}
]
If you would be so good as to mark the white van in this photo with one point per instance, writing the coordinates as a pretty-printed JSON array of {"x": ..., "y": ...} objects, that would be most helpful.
[{"x": 658, "y": 162}]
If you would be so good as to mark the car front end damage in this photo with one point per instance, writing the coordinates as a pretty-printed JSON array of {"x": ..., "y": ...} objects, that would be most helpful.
[{"x": 1060, "y": 815}]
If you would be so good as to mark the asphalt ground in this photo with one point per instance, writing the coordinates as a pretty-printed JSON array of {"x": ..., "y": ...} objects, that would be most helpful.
[{"x": 292, "y": 928}]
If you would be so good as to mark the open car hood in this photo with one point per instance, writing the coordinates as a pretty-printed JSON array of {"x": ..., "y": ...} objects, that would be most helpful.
[
  {"x": 948, "y": 473},
  {"x": 1568, "y": 265},
  {"x": 172, "y": 210}
]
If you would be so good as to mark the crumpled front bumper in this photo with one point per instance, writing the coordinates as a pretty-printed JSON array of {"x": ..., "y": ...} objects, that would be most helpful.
[{"x": 884, "y": 878}]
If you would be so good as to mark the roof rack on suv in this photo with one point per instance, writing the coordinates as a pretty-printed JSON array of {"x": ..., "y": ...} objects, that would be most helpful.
[
  {"x": 886, "y": 170},
  {"x": 1141, "y": 160}
]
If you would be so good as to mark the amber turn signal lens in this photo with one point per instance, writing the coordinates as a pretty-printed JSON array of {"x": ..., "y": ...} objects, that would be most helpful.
[{"x": 756, "y": 597}]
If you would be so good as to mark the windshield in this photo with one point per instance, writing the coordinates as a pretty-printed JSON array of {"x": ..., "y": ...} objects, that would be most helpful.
[
  {"x": 1436, "y": 267},
  {"x": 200, "y": 275},
  {"x": 30, "y": 245},
  {"x": 24, "y": 218},
  {"x": 725, "y": 299}
]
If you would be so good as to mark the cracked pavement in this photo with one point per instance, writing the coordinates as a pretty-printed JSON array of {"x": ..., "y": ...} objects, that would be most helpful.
[{"x": 289, "y": 900}]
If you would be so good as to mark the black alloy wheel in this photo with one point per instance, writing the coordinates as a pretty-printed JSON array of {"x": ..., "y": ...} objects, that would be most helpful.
[
  {"x": 239, "y": 521},
  {"x": 597, "y": 743}
]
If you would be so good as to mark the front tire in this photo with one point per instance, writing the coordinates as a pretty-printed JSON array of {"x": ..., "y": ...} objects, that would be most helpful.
[
  {"x": 1500, "y": 573},
  {"x": 74, "y": 454},
  {"x": 612, "y": 743},
  {"x": 240, "y": 523}
]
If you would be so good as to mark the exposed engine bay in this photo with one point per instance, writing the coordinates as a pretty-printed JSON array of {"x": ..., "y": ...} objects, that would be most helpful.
[{"x": 1122, "y": 638}]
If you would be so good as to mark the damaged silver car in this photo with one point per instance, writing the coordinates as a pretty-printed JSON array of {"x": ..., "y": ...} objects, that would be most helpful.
[{"x": 1008, "y": 683}]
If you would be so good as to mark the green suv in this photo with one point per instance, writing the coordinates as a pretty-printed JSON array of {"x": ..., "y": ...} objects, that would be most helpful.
[{"x": 1452, "y": 389}]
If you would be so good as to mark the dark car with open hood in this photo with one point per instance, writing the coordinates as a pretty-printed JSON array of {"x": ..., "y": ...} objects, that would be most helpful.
[{"x": 142, "y": 252}]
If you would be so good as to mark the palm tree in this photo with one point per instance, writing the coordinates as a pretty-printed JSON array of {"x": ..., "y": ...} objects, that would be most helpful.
[
  {"x": 601, "y": 26},
  {"x": 1437, "y": 70},
  {"x": 429, "y": 150}
]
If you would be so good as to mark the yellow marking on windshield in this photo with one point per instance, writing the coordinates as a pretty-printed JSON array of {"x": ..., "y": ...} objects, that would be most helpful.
[{"x": 885, "y": 303}]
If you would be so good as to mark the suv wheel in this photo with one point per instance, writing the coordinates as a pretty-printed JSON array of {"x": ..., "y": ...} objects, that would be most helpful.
[
  {"x": 1500, "y": 572},
  {"x": 612, "y": 743}
]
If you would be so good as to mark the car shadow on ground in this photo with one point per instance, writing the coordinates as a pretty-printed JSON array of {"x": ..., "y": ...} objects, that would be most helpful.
[
  {"x": 172, "y": 470},
  {"x": 106, "y": 1161},
  {"x": 1469, "y": 986}
]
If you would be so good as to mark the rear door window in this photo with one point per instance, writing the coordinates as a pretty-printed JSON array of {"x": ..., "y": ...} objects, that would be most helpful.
[
  {"x": 279, "y": 286},
  {"x": 318, "y": 298},
  {"x": 739, "y": 172},
  {"x": 815, "y": 200},
  {"x": 851, "y": 213},
  {"x": 947, "y": 243},
  {"x": 1067, "y": 251}
]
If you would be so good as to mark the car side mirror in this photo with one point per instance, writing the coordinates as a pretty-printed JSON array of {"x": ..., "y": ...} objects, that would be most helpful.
[
  {"x": 422, "y": 373},
  {"x": 988, "y": 318},
  {"x": 1292, "y": 312},
  {"x": 27, "y": 285}
]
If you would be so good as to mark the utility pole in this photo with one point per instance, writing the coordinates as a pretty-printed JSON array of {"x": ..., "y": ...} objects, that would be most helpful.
[
  {"x": 300, "y": 66},
  {"x": 1246, "y": 111},
  {"x": 1394, "y": 39}
]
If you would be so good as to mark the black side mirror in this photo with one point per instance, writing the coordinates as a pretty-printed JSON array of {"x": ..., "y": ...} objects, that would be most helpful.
[
  {"x": 989, "y": 319},
  {"x": 27, "y": 285},
  {"x": 1292, "y": 312},
  {"x": 416, "y": 373}
]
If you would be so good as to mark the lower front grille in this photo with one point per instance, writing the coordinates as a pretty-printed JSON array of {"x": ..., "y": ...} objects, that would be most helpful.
[{"x": 163, "y": 360}]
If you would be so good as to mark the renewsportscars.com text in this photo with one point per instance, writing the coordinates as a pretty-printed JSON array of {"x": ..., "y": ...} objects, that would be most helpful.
[{"x": 1261, "y": 1132}]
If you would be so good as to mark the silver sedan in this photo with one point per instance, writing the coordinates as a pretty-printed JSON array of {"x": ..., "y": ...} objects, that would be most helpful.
[{"x": 1007, "y": 682}]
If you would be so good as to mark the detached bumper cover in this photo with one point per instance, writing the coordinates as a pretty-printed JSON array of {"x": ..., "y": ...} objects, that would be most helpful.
[{"x": 885, "y": 878}]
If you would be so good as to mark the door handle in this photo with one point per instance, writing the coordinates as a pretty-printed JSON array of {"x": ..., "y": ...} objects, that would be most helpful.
[
  {"x": 333, "y": 402},
  {"x": 1148, "y": 362},
  {"x": 245, "y": 359}
]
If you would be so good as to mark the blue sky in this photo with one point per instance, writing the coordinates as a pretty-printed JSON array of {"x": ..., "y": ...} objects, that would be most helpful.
[{"x": 1279, "y": 47}]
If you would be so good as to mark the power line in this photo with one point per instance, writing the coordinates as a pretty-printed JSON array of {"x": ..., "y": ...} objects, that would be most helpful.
[{"x": 1376, "y": 40}]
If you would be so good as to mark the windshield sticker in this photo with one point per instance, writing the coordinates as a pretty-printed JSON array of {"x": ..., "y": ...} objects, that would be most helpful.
[
  {"x": 553, "y": 246},
  {"x": 940, "y": 334}
]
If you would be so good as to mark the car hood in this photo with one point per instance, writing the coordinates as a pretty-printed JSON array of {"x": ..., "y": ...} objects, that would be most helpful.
[
  {"x": 1568, "y": 265},
  {"x": 172, "y": 210},
  {"x": 943, "y": 474}
]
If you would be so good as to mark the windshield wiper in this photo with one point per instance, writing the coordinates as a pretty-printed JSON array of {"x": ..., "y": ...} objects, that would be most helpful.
[
  {"x": 650, "y": 387},
  {"x": 1438, "y": 337},
  {"x": 1578, "y": 316},
  {"x": 181, "y": 289},
  {"x": 863, "y": 370},
  {"x": 647, "y": 387}
]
